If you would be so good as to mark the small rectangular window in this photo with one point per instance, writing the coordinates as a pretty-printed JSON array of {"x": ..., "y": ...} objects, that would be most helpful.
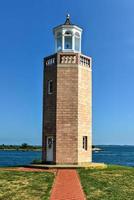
[
  {"x": 85, "y": 143},
  {"x": 50, "y": 87}
]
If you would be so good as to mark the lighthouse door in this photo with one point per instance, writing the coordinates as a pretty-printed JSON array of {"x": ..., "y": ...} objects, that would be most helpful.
[{"x": 49, "y": 149}]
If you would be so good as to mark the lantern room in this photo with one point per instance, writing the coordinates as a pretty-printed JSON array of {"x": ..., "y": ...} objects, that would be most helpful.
[{"x": 67, "y": 37}]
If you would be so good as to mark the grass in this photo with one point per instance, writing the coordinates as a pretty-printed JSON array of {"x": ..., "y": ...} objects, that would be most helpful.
[
  {"x": 25, "y": 185},
  {"x": 112, "y": 183}
]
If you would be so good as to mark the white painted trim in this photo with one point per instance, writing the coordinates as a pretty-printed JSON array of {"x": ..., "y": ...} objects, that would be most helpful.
[{"x": 62, "y": 42}]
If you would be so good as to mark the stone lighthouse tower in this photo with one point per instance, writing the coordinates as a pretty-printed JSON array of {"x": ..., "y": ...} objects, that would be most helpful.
[{"x": 67, "y": 99}]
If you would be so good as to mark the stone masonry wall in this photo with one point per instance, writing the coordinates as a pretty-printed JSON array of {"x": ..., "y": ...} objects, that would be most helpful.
[
  {"x": 84, "y": 113},
  {"x": 49, "y": 107},
  {"x": 67, "y": 114}
]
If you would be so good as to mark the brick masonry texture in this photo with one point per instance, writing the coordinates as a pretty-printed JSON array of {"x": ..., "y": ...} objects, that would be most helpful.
[
  {"x": 67, "y": 186},
  {"x": 67, "y": 113},
  {"x": 84, "y": 113},
  {"x": 49, "y": 108}
]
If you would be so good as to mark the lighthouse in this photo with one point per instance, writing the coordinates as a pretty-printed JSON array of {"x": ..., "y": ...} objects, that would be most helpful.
[{"x": 67, "y": 99}]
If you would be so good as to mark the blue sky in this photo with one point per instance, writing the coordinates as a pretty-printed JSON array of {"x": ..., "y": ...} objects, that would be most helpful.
[{"x": 26, "y": 37}]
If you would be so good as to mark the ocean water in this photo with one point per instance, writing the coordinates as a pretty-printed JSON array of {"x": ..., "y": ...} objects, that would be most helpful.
[
  {"x": 115, "y": 154},
  {"x": 14, "y": 158},
  {"x": 119, "y": 155}
]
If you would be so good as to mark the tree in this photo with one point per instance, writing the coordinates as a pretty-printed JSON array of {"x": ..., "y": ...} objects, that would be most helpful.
[{"x": 24, "y": 146}]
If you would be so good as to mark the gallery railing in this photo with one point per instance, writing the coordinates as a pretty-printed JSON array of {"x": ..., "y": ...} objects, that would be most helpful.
[{"x": 68, "y": 58}]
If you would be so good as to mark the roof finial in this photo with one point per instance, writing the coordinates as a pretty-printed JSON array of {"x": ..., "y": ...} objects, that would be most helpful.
[
  {"x": 67, "y": 22},
  {"x": 68, "y": 16}
]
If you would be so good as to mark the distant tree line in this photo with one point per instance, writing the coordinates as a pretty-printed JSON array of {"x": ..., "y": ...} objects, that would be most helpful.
[
  {"x": 23, "y": 146},
  {"x": 27, "y": 147}
]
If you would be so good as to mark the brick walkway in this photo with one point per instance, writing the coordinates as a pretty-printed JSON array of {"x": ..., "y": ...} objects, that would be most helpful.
[{"x": 67, "y": 186}]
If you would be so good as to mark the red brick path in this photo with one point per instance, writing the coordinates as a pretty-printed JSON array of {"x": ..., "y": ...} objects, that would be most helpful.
[{"x": 67, "y": 186}]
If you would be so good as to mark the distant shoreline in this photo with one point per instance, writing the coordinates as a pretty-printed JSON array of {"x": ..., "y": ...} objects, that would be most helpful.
[
  {"x": 20, "y": 149},
  {"x": 26, "y": 147}
]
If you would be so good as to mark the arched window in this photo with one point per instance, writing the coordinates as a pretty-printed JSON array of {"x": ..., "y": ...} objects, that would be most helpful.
[
  {"x": 77, "y": 41},
  {"x": 59, "y": 41},
  {"x": 68, "y": 40}
]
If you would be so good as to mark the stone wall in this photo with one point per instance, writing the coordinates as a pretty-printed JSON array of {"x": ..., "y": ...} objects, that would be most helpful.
[
  {"x": 67, "y": 113},
  {"x": 84, "y": 113},
  {"x": 49, "y": 107}
]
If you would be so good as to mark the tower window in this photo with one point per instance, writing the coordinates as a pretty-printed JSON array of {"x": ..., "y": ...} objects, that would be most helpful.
[
  {"x": 77, "y": 44},
  {"x": 77, "y": 41},
  {"x": 50, "y": 87},
  {"x": 59, "y": 41},
  {"x": 68, "y": 40},
  {"x": 85, "y": 143}
]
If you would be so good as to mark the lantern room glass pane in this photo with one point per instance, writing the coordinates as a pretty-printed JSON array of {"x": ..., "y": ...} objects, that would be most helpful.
[
  {"x": 68, "y": 42},
  {"x": 77, "y": 44},
  {"x": 59, "y": 43}
]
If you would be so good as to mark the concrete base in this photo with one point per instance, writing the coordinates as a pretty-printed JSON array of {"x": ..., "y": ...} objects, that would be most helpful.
[{"x": 82, "y": 165}]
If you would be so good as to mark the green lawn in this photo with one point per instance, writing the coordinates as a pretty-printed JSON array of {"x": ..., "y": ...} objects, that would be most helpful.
[
  {"x": 25, "y": 185},
  {"x": 113, "y": 183}
]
